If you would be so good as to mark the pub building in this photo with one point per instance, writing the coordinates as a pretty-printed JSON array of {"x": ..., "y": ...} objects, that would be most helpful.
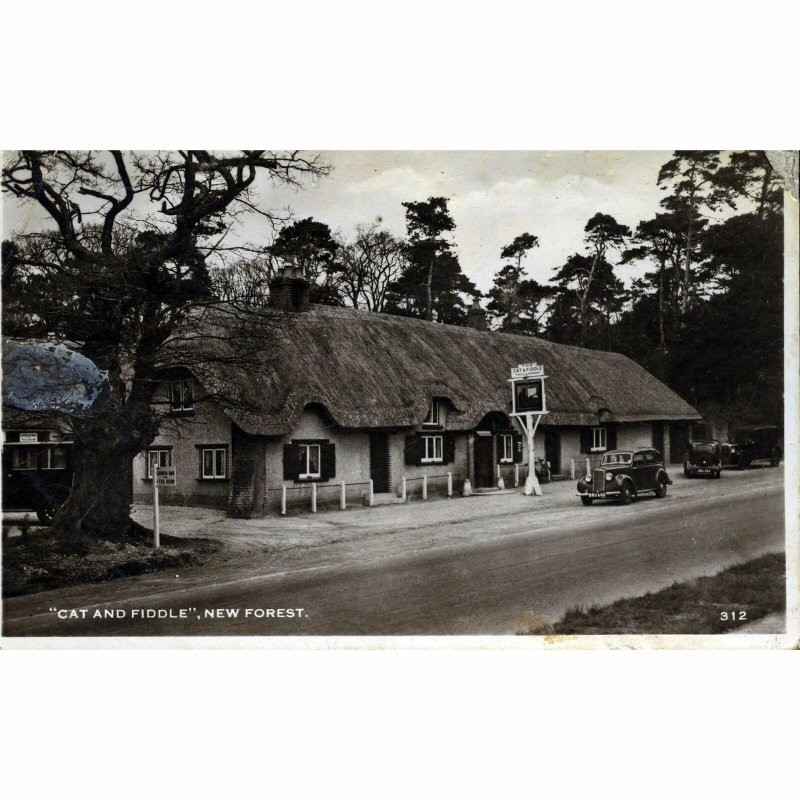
[{"x": 341, "y": 395}]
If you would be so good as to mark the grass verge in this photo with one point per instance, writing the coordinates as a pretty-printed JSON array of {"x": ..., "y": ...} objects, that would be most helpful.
[
  {"x": 717, "y": 604},
  {"x": 42, "y": 561}
]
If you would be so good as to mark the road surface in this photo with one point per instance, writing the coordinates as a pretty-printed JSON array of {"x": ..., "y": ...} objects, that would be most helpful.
[{"x": 514, "y": 571}]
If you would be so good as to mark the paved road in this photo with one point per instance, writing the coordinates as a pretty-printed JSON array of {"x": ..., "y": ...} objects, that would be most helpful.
[{"x": 513, "y": 570}]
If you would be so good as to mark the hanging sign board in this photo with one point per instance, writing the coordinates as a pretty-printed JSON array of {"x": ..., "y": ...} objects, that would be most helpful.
[
  {"x": 165, "y": 476},
  {"x": 529, "y": 397},
  {"x": 527, "y": 389},
  {"x": 29, "y": 438}
]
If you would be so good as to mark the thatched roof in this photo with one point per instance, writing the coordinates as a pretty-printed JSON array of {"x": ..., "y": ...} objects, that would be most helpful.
[{"x": 377, "y": 371}]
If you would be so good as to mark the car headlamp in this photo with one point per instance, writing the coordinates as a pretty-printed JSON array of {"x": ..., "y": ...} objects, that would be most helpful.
[{"x": 609, "y": 476}]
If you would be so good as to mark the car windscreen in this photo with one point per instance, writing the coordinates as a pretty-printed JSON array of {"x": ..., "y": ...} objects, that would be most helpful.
[
  {"x": 615, "y": 458},
  {"x": 706, "y": 447},
  {"x": 742, "y": 436}
]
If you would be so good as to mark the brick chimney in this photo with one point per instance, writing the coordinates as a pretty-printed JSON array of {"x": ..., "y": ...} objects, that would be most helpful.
[
  {"x": 289, "y": 291},
  {"x": 476, "y": 316}
]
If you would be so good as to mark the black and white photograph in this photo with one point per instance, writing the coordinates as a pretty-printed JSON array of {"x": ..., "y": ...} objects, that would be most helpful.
[
  {"x": 276, "y": 393},
  {"x": 443, "y": 443}
]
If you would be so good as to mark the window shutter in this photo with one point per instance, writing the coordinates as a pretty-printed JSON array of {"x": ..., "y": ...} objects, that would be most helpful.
[
  {"x": 611, "y": 437},
  {"x": 517, "y": 448},
  {"x": 449, "y": 451},
  {"x": 413, "y": 450},
  {"x": 586, "y": 440},
  {"x": 327, "y": 453},
  {"x": 291, "y": 462}
]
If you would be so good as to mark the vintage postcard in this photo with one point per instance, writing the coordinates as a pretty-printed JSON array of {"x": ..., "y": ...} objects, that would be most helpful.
[{"x": 386, "y": 398}]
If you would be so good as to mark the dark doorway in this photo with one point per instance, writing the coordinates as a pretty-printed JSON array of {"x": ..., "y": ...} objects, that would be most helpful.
[
  {"x": 658, "y": 437},
  {"x": 679, "y": 433},
  {"x": 484, "y": 462},
  {"x": 552, "y": 449},
  {"x": 379, "y": 461}
]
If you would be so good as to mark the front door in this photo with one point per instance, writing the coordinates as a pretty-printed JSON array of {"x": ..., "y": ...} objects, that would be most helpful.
[
  {"x": 379, "y": 461},
  {"x": 552, "y": 449},
  {"x": 484, "y": 461}
]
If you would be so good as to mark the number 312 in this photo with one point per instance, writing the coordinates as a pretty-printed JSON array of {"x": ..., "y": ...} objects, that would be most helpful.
[{"x": 732, "y": 616}]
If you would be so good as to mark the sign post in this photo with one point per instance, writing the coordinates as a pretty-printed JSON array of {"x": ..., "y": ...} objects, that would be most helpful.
[
  {"x": 528, "y": 401},
  {"x": 162, "y": 476}
]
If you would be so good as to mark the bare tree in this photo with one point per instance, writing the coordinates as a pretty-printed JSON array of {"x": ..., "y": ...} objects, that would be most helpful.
[
  {"x": 245, "y": 281},
  {"x": 125, "y": 271},
  {"x": 369, "y": 265}
]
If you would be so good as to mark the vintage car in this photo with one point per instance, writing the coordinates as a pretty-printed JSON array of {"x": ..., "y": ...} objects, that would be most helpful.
[
  {"x": 757, "y": 443},
  {"x": 703, "y": 457},
  {"x": 625, "y": 474}
]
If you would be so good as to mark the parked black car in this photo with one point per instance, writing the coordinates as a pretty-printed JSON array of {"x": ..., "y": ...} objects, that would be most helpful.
[
  {"x": 36, "y": 475},
  {"x": 757, "y": 443},
  {"x": 703, "y": 458},
  {"x": 625, "y": 474}
]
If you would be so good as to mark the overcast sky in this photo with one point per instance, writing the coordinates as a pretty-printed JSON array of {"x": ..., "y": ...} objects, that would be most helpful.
[{"x": 493, "y": 197}]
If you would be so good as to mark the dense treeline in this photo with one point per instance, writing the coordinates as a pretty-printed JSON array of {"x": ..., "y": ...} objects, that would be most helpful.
[{"x": 705, "y": 315}]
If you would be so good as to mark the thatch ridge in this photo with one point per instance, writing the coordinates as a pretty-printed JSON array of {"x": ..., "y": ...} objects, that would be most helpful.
[{"x": 371, "y": 370}]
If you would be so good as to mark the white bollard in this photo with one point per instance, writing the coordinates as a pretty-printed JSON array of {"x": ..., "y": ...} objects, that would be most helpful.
[
  {"x": 588, "y": 467},
  {"x": 313, "y": 498},
  {"x": 516, "y": 475},
  {"x": 449, "y": 484},
  {"x": 403, "y": 490},
  {"x": 425, "y": 487},
  {"x": 371, "y": 500},
  {"x": 343, "y": 497},
  {"x": 283, "y": 500},
  {"x": 572, "y": 469},
  {"x": 467, "y": 490}
]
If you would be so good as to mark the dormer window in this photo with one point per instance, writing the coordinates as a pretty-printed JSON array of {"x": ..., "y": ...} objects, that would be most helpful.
[
  {"x": 181, "y": 395},
  {"x": 433, "y": 414}
]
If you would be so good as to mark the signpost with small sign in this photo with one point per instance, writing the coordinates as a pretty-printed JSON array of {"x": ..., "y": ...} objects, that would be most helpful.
[
  {"x": 529, "y": 401},
  {"x": 162, "y": 476}
]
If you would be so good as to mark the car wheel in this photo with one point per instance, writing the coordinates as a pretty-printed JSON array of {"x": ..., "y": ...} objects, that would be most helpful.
[
  {"x": 661, "y": 489},
  {"x": 742, "y": 465},
  {"x": 686, "y": 473},
  {"x": 625, "y": 494},
  {"x": 776, "y": 458},
  {"x": 587, "y": 501}
]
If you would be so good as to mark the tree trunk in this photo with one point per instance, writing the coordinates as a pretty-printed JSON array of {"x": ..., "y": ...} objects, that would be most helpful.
[
  {"x": 661, "y": 305},
  {"x": 429, "y": 308},
  {"x": 102, "y": 487},
  {"x": 688, "y": 257},
  {"x": 585, "y": 298}
]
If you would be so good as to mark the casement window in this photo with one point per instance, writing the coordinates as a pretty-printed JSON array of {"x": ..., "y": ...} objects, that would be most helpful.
[
  {"x": 181, "y": 395},
  {"x": 157, "y": 458},
  {"x": 433, "y": 452},
  {"x": 309, "y": 460},
  {"x": 54, "y": 458},
  {"x": 213, "y": 463},
  {"x": 433, "y": 414},
  {"x": 24, "y": 458},
  {"x": 506, "y": 446},
  {"x": 599, "y": 439},
  {"x": 426, "y": 448}
]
